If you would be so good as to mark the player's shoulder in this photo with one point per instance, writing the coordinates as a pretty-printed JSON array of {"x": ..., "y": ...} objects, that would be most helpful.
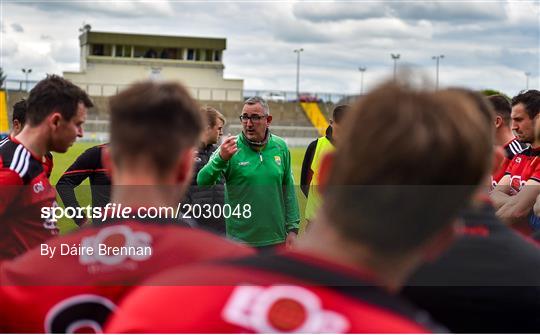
[
  {"x": 17, "y": 158},
  {"x": 515, "y": 147},
  {"x": 232, "y": 289},
  {"x": 94, "y": 151}
]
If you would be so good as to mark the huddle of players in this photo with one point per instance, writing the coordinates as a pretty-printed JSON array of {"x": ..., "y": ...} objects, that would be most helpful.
[
  {"x": 517, "y": 182},
  {"x": 342, "y": 276}
]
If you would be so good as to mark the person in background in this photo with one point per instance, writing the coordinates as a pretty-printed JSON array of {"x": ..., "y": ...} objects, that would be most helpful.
[
  {"x": 88, "y": 165},
  {"x": 504, "y": 137},
  {"x": 312, "y": 161},
  {"x": 209, "y": 195},
  {"x": 256, "y": 165}
]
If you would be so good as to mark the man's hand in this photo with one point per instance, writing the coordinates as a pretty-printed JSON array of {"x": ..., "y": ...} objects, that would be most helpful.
[
  {"x": 228, "y": 148},
  {"x": 291, "y": 238}
]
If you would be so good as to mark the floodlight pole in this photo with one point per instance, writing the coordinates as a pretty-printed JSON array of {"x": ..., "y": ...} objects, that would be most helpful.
[
  {"x": 437, "y": 59},
  {"x": 362, "y": 69},
  {"x": 298, "y": 51},
  {"x": 26, "y": 73},
  {"x": 395, "y": 57}
]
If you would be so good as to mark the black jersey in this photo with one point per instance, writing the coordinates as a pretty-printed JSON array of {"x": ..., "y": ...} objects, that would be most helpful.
[
  {"x": 88, "y": 165},
  {"x": 488, "y": 281}
]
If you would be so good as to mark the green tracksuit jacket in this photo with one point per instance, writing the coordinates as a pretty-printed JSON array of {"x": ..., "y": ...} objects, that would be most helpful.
[{"x": 263, "y": 180}]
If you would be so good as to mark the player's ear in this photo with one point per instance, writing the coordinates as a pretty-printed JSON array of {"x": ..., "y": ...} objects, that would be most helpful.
[
  {"x": 324, "y": 171},
  {"x": 442, "y": 240},
  {"x": 498, "y": 121},
  {"x": 185, "y": 166},
  {"x": 269, "y": 119},
  {"x": 54, "y": 119},
  {"x": 106, "y": 161}
]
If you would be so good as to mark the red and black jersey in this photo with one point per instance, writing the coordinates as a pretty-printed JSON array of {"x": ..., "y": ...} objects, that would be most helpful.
[
  {"x": 288, "y": 292},
  {"x": 487, "y": 282},
  {"x": 71, "y": 293},
  {"x": 87, "y": 165},
  {"x": 523, "y": 167},
  {"x": 48, "y": 163},
  {"x": 511, "y": 149},
  {"x": 24, "y": 191}
]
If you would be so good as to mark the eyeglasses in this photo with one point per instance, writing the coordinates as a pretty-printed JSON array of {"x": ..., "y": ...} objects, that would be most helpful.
[{"x": 253, "y": 118}]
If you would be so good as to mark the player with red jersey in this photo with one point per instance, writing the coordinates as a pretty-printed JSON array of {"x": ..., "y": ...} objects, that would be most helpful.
[
  {"x": 19, "y": 120},
  {"x": 503, "y": 135},
  {"x": 516, "y": 192},
  {"x": 376, "y": 225},
  {"x": 55, "y": 112},
  {"x": 63, "y": 286}
]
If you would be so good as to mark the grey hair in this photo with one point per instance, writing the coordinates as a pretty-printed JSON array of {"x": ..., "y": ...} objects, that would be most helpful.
[{"x": 258, "y": 100}]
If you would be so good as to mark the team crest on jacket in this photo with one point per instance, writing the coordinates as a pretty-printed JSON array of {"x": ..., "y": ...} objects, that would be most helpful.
[
  {"x": 116, "y": 245},
  {"x": 281, "y": 309},
  {"x": 516, "y": 183},
  {"x": 278, "y": 160}
]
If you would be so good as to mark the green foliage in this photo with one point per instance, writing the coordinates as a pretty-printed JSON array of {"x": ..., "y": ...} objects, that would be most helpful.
[{"x": 488, "y": 92}]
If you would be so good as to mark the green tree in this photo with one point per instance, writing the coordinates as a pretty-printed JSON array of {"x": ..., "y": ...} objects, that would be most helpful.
[{"x": 488, "y": 92}]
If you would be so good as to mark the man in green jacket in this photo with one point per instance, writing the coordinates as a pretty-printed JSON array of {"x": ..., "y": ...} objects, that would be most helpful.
[{"x": 259, "y": 182}]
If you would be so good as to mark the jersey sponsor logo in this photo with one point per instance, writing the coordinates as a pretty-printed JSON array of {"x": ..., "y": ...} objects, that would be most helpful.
[
  {"x": 278, "y": 160},
  {"x": 243, "y": 163},
  {"x": 38, "y": 187},
  {"x": 278, "y": 309},
  {"x": 115, "y": 245}
]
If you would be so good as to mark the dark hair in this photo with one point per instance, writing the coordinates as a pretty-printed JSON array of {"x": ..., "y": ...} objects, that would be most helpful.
[
  {"x": 408, "y": 162},
  {"x": 19, "y": 112},
  {"x": 531, "y": 100},
  {"x": 502, "y": 107},
  {"x": 54, "y": 93},
  {"x": 154, "y": 121},
  {"x": 339, "y": 112}
]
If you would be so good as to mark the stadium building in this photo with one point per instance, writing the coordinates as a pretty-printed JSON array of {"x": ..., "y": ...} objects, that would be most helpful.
[{"x": 111, "y": 61}]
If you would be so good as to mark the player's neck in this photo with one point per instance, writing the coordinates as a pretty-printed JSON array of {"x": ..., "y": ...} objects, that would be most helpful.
[
  {"x": 34, "y": 139},
  {"x": 322, "y": 241},
  {"x": 504, "y": 136}
]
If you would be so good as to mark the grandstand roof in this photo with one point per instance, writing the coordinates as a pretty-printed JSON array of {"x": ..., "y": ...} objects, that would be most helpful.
[{"x": 97, "y": 37}]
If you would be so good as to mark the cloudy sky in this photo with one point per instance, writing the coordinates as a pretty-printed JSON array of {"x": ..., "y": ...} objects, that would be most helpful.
[{"x": 486, "y": 44}]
